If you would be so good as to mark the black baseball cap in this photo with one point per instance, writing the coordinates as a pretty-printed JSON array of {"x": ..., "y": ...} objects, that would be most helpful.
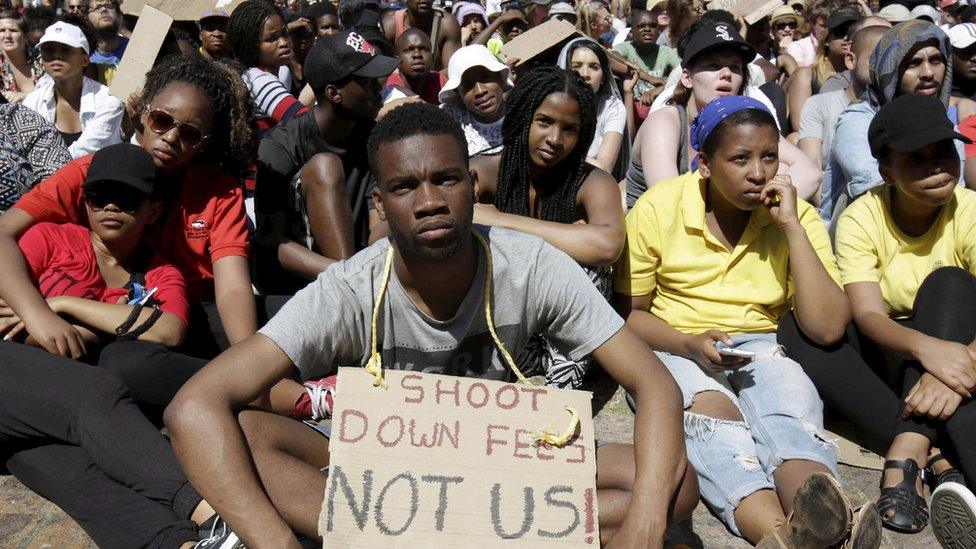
[
  {"x": 345, "y": 53},
  {"x": 712, "y": 35},
  {"x": 838, "y": 19},
  {"x": 123, "y": 163},
  {"x": 910, "y": 123}
]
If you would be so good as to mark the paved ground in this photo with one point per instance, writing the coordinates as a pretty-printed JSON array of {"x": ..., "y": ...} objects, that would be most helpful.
[{"x": 27, "y": 521}]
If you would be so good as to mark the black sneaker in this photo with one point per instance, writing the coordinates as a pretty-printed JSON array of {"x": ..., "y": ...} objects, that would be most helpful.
[{"x": 214, "y": 534}]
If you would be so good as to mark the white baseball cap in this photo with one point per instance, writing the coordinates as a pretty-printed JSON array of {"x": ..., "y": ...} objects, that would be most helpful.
[
  {"x": 962, "y": 36},
  {"x": 463, "y": 59},
  {"x": 561, "y": 8},
  {"x": 67, "y": 34},
  {"x": 928, "y": 12},
  {"x": 895, "y": 13}
]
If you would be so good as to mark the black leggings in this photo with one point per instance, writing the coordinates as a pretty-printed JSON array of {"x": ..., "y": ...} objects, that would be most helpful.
[
  {"x": 70, "y": 434},
  {"x": 153, "y": 373},
  {"x": 856, "y": 377}
]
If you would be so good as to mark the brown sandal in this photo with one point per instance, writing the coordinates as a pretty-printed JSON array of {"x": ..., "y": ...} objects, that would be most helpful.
[{"x": 865, "y": 528}]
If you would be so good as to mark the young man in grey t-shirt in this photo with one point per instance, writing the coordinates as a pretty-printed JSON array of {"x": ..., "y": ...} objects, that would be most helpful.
[{"x": 432, "y": 318}]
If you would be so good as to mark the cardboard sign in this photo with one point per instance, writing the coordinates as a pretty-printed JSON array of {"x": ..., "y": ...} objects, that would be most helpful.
[
  {"x": 537, "y": 40},
  {"x": 180, "y": 10},
  {"x": 444, "y": 461},
  {"x": 147, "y": 39},
  {"x": 750, "y": 10}
]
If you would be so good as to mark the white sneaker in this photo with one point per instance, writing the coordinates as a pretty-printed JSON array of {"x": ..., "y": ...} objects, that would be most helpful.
[{"x": 953, "y": 512}]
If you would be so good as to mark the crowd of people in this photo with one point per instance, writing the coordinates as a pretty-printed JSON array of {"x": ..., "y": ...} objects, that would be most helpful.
[{"x": 747, "y": 221}]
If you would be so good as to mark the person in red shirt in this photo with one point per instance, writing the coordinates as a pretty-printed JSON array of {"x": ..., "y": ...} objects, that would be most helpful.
[
  {"x": 102, "y": 279},
  {"x": 415, "y": 74},
  {"x": 80, "y": 441},
  {"x": 195, "y": 121}
]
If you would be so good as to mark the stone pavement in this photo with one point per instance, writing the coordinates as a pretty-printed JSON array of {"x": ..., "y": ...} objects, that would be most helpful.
[{"x": 28, "y": 521}]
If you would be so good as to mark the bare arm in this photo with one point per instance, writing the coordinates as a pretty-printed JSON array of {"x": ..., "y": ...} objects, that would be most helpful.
[
  {"x": 301, "y": 261},
  {"x": 168, "y": 330},
  {"x": 329, "y": 215},
  {"x": 787, "y": 66},
  {"x": 491, "y": 29},
  {"x": 599, "y": 241},
  {"x": 235, "y": 298},
  {"x": 800, "y": 90},
  {"x": 452, "y": 38},
  {"x": 822, "y": 309},
  {"x": 806, "y": 174},
  {"x": 211, "y": 447},
  {"x": 659, "y": 145},
  {"x": 952, "y": 363},
  {"x": 606, "y": 157},
  {"x": 50, "y": 331},
  {"x": 658, "y": 431},
  {"x": 810, "y": 146}
]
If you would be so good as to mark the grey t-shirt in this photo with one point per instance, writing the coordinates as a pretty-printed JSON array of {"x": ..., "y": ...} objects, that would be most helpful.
[
  {"x": 837, "y": 81},
  {"x": 537, "y": 290},
  {"x": 819, "y": 117}
]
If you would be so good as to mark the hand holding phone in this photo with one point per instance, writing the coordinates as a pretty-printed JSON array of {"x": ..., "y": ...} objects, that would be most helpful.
[
  {"x": 725, "y": 350},
  {"x": 703, "y": 348}
]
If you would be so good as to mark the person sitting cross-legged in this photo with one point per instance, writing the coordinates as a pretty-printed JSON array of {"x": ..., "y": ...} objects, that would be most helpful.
[{"x": 264, "y": 472}]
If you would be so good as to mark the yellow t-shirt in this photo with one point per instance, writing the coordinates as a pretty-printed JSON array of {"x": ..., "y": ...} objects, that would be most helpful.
[
  {"x": 871, "y": 248},
  {"x": 695, "y": 282}
]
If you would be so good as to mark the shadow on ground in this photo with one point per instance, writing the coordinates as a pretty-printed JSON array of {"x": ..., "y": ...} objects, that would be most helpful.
[{"x": 28, "y": 521}]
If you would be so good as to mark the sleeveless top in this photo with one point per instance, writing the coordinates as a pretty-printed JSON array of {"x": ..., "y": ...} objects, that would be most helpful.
[{"x": 636, "y": 184}]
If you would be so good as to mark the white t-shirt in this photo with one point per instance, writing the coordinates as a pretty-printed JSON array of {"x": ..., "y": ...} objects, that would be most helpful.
[
  {"x": 611, "y": 116},
  {"x": 482, "y": 138}
]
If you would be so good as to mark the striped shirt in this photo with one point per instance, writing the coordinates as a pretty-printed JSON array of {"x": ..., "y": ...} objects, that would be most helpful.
[{"x": 271, "y": 97}]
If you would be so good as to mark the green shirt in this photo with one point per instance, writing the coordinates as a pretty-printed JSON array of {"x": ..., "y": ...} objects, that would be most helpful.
[{"x": 659, "y": 62}]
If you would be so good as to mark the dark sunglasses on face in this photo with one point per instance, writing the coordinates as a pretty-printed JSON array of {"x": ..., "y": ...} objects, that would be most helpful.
[
  {"x": 122, "y": 197},
  {"x": 786, "y": 25},
  {"x": 162, "y": 122}
]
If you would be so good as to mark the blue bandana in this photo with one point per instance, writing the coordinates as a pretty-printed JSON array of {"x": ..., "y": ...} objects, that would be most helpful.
[{"x": 715, "y": 112}]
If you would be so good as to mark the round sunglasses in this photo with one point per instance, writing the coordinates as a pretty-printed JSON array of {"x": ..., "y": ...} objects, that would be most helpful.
[{"x": 162, "y": 122}]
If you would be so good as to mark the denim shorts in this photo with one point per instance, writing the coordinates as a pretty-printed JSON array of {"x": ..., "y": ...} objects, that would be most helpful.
[{"x": 783, "y": 420}]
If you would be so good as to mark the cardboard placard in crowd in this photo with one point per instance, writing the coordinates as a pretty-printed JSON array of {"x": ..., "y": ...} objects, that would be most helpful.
[
  {"x": 537, "y": 40},
  {"x": 147, "y": 38},
  {"x": 180, "y": 10},
  {"x": 447, "y": 461},
  {"x": 750, "y": 10}
]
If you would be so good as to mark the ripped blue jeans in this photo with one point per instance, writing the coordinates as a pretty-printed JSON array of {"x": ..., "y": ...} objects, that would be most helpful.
[{"x": 783, "y": 420}]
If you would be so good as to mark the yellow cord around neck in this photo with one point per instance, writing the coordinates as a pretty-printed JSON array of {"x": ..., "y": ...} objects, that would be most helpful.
[{"x": 374, "y": 366}]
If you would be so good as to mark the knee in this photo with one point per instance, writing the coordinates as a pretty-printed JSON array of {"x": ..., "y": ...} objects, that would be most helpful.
[
  {"x": 945, "y": 283},
  {"x": 322, "y": 173},
  {"x": 715, "y": 405},
  {"x": 125, "y": 358},
  {"x": 255, "y": 428}
]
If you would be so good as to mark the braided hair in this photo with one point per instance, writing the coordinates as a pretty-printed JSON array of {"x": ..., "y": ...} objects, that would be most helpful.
[
  {"x": 232, "y": 135},
  {"x": 244, "y": 29},
  {"x": 559, "y": 188}
]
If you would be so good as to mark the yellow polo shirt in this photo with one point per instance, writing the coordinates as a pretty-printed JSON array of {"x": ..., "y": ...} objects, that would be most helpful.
[
  {"x": 871, "y": 248},
  {"x": 694, "y": 281}
]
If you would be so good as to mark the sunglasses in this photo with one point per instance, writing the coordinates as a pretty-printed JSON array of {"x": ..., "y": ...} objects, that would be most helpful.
[
  {"x": 162, "y": 122},
  {"x": 124, "y": 198}
]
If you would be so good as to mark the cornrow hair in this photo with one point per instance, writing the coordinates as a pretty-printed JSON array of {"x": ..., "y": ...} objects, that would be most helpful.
[
  {"x": 413, "y": 119},
  {"x": 244, "y": 29},
  {"x": 232, "y": 135},
  {"x": 559, "y": 188}
]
